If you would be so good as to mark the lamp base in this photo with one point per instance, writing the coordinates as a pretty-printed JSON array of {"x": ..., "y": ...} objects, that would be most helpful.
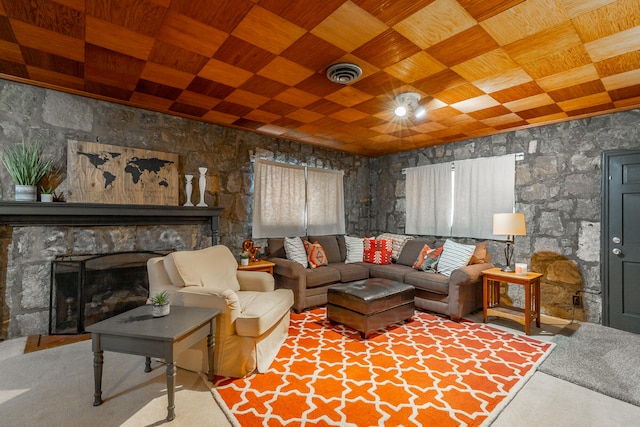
[{"x": 506, "y": 269}]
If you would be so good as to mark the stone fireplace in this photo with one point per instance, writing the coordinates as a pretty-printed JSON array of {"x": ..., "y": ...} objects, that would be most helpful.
[
  {"x": 32, "y": 235},
  {"x": 87, "y": 289}
]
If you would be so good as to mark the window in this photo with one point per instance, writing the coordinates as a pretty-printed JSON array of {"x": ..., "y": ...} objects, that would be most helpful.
[
  {"x": 444, "y": 200},
  {"x": 292, "y": 200},
  {"x": 429, "y": 201}
]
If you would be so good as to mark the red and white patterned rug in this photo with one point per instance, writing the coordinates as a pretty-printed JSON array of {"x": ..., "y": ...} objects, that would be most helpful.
[{"x": 427, "y": 372}]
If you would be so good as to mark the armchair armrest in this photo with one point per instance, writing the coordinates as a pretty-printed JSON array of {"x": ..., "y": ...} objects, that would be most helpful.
[
  {"x": 227, "y": 302},
  {"x": 258, "y": 281}
]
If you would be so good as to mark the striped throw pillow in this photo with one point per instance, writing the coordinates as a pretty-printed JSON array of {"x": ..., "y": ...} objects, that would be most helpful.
[
  {"x": 454, "y": 256},
  {"x": 294, "y": 248},
  {"x": 355, "y": 249}
]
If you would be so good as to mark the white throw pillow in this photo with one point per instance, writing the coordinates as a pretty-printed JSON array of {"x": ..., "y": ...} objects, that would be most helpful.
[
  {"x": 294, "y": 248},
  {"x": 398, "y": 242},
  {"x": 355, "y": 249},
  {"x": 454, "y": 256}
]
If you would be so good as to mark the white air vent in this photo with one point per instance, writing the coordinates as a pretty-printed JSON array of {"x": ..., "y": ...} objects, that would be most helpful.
[{"x": 344, "y": 73}]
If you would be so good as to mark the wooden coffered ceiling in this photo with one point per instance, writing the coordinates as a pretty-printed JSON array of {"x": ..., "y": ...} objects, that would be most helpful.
[{"x": 480, "y": 66}]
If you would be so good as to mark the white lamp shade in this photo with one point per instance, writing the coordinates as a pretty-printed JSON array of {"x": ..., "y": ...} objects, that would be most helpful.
[{"x": 509, "y": 224}]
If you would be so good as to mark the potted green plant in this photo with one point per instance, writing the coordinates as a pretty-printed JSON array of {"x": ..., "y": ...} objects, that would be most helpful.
[
  {"x": 160, "y": 304},
  {"x": 27, "y": 167},
  {"x": 46, "y": 194},
  {"x": 244, "y": 258}
]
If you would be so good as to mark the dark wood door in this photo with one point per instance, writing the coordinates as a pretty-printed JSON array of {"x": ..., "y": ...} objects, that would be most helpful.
[{"x": 621, "y": 240}]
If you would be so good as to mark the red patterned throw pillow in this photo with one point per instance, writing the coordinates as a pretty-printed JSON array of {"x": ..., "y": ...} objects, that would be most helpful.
[
  {"x": 315, "y": 254},
  {"x": 423, "y": 254},
  {"x": 430, "y": 261},
  {"x": 378, "y": 251}
]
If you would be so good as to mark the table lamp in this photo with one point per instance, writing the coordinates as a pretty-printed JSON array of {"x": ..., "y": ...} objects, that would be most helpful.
[{"x": 511, "y": 225}]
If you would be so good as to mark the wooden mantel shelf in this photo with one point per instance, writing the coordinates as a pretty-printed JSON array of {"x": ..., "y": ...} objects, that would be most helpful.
[{"x": 20, "y": 214}]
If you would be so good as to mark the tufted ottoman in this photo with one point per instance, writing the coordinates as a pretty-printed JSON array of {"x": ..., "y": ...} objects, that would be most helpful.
[{"x": 369, "y": 305}]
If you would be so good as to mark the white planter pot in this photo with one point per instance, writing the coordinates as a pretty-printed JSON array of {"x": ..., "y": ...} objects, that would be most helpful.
[
  {"x": 47, "y": 198},
  {"x": 26, "y": 193},
  {"x": 244, "y": 261},
  {"x": 160, "y": 310}
]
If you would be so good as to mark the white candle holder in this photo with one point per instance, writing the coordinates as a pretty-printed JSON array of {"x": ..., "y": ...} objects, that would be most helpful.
[
  {"x": 203, "y": 184},
  {"x": 188, "y": 189}
]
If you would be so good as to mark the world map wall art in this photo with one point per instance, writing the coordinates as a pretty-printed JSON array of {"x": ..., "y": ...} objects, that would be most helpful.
[{"x": 99, "y": 173}]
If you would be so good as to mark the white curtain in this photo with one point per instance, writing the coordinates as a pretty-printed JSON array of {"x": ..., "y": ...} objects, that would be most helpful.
[
  {"x": 428, "y": 195},
  {"x": 482, "y": 187},
  {"x": 325, "y": 202},
  {"x": 279, "y": 200}
]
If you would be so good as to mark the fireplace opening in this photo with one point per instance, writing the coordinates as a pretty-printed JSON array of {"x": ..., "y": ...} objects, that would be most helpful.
[{"x": 86, "y": 289}]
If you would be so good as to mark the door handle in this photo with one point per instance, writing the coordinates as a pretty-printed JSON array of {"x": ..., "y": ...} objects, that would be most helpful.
[
  {"x": 616, "y": 251},
  {"x": 616, "y": 240}
]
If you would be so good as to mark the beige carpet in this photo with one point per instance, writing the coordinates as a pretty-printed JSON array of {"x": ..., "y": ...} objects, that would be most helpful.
[{"x": 55, "y": 387}]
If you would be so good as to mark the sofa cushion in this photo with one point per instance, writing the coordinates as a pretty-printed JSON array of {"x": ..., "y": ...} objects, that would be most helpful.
[
  {"x": 411, "y": 250},
  {"x": 399, "y": 241},
  {"x": 295, "y": 250},
  {"x": 275, "y": 248},
  {"x": 342, "y": 246},
  {"x": 315, "y": 254},
  {"x": 330, "y": 245},
  {"x": 432, "y": 282},
  {"x": 261, "y": 310},
  {"x": 351, "y": 272},
  {"x": 378, "y": 251},
  {"x": 321, "y": 276},
  {"x": 479, "y": 254},
  {"x": 214, "y": 267},
  {"x": 392, "y": 272},
  {"x": 454, "y": 256},
  {"x": 355, "y": 249}
]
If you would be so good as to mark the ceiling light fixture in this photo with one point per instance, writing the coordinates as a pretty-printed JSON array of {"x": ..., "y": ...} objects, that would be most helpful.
[{"x": 408, "y": 101}]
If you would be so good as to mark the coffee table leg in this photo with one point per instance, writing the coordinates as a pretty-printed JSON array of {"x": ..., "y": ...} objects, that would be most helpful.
[
  {"x": 171, "y": 392},
  {"x": 98, "y": 361},
  {"x": 147, "y": 364}
]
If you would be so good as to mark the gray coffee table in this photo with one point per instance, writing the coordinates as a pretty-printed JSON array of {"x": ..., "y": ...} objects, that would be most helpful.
[{"x": 137, "y": 332}]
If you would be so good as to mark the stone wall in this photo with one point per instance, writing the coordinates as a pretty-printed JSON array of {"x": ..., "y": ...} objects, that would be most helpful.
[
  {"x": 558, "y": 188},
  {"x": 29, "y": 112}
]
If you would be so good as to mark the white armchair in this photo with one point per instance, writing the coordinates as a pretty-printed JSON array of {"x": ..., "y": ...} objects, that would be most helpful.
[{"x": 254, "y": 316}]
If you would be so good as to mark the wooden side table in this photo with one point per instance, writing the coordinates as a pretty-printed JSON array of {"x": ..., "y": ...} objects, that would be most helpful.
[
  {"x": 259, "y": 265},
  {"x": 491, "y": 280}
]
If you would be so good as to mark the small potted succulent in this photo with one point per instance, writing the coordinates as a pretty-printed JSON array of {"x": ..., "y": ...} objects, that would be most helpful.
[
  {"x": 46, "y": 194},
  {"x": 160, "y": 302},
  {"x": 244, "y": 258}
]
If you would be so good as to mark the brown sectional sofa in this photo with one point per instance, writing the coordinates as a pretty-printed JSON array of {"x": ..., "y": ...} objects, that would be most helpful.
[{"x": 453, "y": 296}]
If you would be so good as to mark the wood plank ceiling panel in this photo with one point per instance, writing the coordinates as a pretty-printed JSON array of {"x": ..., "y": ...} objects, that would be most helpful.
[{"x": 479, "y": 66}]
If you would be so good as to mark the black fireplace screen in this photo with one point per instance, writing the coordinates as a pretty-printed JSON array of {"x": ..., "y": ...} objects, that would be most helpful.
[{"x": 90, "y": 288}]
